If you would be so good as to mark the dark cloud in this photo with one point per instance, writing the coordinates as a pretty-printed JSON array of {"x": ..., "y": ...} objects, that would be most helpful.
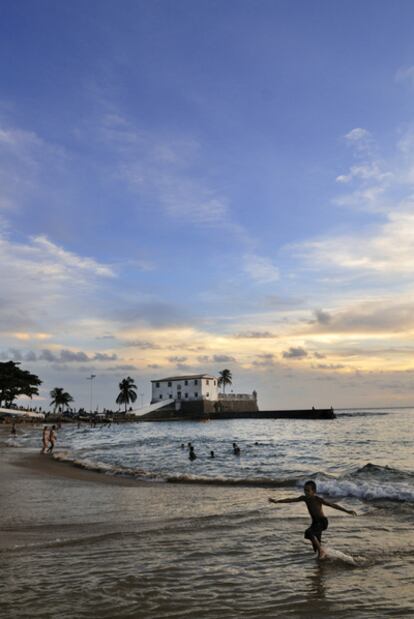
[
  {"x": 319, "y": 355},
  {"x": 143, "y": 344},
  {"x": 323, "y": 318},
  {"x": 177, "y": 359},
  {"x": 101, "y": 356},
  {"x": 329, "y": 366},
  {"x": 154, "y": 366},
  {"x": 203, "y": 359},
  {"x": 57, "y": 357},
  {"x": 264, "y": 360},
  {"x": 69, "y": 355},
  {"x": 155, "y": 314},
  {"x": 47, "y": 355},
  {"x": 255, "y": 335},
  {"x": 223, "y": 359},
  {"x": 295, "y": 353},
  {"x": 366, "y": 318},
  {"x": 183, "y": 367}
]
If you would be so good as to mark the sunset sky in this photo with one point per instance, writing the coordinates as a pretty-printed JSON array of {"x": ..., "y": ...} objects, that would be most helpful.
[{"x": 188, "y": 186}]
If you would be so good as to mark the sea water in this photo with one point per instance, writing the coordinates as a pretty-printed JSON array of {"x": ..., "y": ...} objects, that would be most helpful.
[{"x": 207, "y": 541}]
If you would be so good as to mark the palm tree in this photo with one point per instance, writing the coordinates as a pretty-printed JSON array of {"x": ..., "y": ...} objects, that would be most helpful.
[
  {"x": 224, "y": 379},
  {"x": 127, "y": 393},
  {"x": 60, "y": 398}
]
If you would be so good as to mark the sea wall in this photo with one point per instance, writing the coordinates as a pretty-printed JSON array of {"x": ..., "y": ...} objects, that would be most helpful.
[{"x": 230, "y": 409}]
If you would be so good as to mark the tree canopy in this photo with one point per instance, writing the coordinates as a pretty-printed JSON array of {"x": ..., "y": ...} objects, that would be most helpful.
[
  {"x": 15, "y": 382},
  {"x": 127, "y": 394}
]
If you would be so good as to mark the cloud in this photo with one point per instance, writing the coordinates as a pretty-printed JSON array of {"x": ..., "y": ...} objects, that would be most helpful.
[
  {"x": 167, "y": 168},
  {"x": 56, "y": 356},
  {"x": 255, "y": 335},
  {"x": 223, "y": 359},
  {"x": 142, "y": 344},
  {"x": 376, "y": 316},
  {"x": 176, "y": 359},
  {"x": 360, "y": 140},
  {"x": 295, "y": 353},
  {"x": 323, "y": 318},
  {"x": 260, "y": 269},
  {"x": 264, "y": 360},
  {"x": 405, "y": 75},
  {"x": 329, "y": 366},
  {"x": 154, "y": 313}
]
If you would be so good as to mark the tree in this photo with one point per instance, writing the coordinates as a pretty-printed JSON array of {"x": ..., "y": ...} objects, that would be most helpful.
[
  {"x": 224, "y": 379},
  {"x": 60, "y": 398},
  {"x": 127, "y": 394},
  {"x": 15, "y": 382}
]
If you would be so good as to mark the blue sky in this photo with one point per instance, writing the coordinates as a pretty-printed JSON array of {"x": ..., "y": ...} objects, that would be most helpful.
[{"x": 188, "y": 186}]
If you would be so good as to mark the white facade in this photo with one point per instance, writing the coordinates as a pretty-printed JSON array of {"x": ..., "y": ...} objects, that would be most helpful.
[{"x": 186, "y": 388}]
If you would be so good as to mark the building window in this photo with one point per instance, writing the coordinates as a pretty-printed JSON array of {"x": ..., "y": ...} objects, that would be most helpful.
[
  {"x": 169, "y": 384},
  {"x": 195, "y": 381},
  {"x": 178, "y": 387},
  {"x": 157, "y": 385},
  {"x": 170, "y": 396},
  {"x": 160, "y": 396},
  {"x": 186, "y": 383},
  {"x": 186, "y": 395},
  {"x": 207, "y": 382},
  {"x": 196, "y": 394},
  {"x": 214, "y": 383},
  {"x": 207, "y": 395}
]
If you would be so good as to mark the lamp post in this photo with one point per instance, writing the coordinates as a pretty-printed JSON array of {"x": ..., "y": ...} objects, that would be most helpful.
[{"x": 91, "y": 377}]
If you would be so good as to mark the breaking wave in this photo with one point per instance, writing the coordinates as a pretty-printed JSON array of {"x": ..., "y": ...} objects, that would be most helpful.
[{"x": 369, "y": 483}]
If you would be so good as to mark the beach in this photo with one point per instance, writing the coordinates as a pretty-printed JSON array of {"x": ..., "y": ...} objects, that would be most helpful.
[{"x": 79, "y": 543}]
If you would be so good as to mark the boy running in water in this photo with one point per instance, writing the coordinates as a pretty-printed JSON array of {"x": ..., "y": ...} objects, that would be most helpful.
[{"x": 319, "y": 521}]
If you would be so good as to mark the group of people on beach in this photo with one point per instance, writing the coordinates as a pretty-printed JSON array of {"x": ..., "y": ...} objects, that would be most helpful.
[{"x": 49, "y": 438}]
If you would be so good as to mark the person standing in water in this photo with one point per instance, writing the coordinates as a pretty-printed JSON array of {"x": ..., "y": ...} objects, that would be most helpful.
[
  {"x": 52, "y": 439},
  {"x": 45, "y": 439},
  {"x": 314, "y": 504}
]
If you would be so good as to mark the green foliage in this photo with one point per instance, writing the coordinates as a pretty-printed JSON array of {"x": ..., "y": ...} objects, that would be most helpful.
[
  {"x": 15, "y": 382},
  {"x": 127, "y": 393}
]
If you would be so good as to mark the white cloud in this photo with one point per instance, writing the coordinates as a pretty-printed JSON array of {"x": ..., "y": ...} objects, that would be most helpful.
[
  {"x": 260, "y": 269},
  {"x": 43, "y": 283},
  {"x": 357, "y": 135},
  {"x": 405, "y": 74}
]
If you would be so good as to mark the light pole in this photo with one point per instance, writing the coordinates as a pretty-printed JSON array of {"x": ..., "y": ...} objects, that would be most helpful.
[{"x": 91, "y": 377}]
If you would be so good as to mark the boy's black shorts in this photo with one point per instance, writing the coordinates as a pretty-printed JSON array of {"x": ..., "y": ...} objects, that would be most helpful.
[{"x": 316, "y": 528}]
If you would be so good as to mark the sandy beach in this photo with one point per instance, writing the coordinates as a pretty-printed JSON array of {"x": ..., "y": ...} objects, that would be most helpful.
[{"x": 76, "y": 543}]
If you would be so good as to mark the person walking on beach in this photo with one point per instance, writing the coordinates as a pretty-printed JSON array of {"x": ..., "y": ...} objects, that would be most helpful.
[
  {"x": 314, "y": 504},
  {"x": 52, "y": 439},
  {"x": 13, "y": 430},
  {"x": 45, "y": 439}
]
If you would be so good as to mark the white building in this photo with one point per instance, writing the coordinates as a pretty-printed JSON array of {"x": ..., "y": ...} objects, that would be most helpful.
[{"x": 193, "y": 387}]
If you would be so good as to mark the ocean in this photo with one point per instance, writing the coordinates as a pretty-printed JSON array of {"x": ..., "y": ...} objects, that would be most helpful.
[{"x": 200, "y": 537}]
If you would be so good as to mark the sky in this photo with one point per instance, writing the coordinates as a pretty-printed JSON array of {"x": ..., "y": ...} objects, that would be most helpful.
[{"x": 192, "y": 186}]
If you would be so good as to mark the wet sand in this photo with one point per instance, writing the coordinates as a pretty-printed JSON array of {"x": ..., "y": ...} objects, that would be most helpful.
[{"x": 78, "y": 544}]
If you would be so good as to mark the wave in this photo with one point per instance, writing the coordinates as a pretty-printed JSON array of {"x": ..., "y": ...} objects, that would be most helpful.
[
  {"x": 265, "y": 482},
  {"x": 370, "y": 482}
]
